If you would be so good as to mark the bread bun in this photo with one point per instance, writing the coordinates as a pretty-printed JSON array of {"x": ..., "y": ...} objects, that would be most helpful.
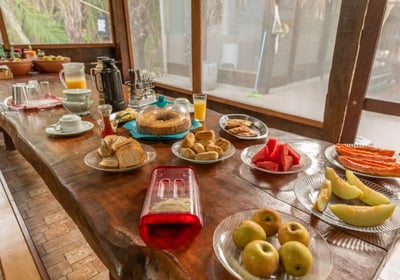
[
  {"x": 204, "y": 147},
  {"x": 188, "y": 141},
  {"x": 223, "y": 143},
  {"x": 198, "y": 147},
  {"x": 188, "y": 153},
  {"x": 213, "y": 147},
  {"x": 205, "y": 135},
  {"x": 212, "y": 155}
]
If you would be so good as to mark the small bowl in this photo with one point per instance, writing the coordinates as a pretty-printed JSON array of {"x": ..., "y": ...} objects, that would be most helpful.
[
  {"x": 18, "y": 68},
  {"x": 49, "y": 66}
]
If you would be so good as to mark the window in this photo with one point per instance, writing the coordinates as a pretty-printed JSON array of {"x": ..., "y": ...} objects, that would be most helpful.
[
  {"x": 161, "y": 38},
  {"x": 56, "y": 21},
  {"x": 379, "y": 123},
  {"x": 276, "y": 57}
]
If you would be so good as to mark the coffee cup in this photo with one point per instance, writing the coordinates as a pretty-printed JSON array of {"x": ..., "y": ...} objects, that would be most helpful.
[
  {"x": 69, "y": 123},
  {"x": 72, "y": 75}
]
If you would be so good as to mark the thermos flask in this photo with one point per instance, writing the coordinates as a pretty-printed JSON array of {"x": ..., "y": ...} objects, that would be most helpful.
[{"x": 112, "y": 85}]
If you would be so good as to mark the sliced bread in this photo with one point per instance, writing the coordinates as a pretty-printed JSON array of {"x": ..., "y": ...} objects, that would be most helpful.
[
  {"x": 109, "y": 163},
  {"x": 130, "y": 154}
]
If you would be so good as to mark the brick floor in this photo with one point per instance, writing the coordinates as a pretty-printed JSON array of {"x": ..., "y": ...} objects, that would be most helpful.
[{"x": 63, "y": 250}]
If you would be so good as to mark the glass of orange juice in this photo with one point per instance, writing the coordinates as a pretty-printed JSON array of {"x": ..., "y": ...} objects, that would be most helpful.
[
  {"x": 200, "y": 106},
  {"x": 72, "y": 76}
]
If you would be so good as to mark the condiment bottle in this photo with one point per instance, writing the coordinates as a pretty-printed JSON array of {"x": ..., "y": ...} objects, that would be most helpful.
[{"x": 105, "y": 112}]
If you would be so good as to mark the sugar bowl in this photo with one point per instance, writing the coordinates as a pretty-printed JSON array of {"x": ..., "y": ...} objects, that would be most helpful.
[{"x": 78, "y": 101}]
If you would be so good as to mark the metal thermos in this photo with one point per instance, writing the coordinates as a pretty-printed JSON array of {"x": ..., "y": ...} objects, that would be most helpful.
[{"x": 112, "y": 85}]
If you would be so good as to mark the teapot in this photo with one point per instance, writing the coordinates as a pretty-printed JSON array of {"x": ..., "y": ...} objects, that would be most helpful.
[{"x": 78, "y": 101}]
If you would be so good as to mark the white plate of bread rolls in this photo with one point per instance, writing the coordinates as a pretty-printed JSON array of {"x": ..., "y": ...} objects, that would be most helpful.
[{"x": 203, "y": 147}]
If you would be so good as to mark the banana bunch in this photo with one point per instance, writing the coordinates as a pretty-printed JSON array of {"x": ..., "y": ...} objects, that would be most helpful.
[{"x": 377, "y": 207}]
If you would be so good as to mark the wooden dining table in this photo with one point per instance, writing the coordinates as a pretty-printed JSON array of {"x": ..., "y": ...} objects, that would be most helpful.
[{"x": 106, "y": 206}]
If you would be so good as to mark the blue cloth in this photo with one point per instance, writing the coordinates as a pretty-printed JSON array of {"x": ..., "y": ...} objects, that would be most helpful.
[{"x": 131, "y": 126}]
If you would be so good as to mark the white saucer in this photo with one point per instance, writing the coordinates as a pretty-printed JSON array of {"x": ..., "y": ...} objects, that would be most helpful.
[{"x": 86, "y": 126}]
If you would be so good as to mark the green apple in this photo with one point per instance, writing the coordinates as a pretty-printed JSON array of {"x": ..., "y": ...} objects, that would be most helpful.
[
  {"x": 293, "y": 231},
  {"x": 260, "y": 258},
  {"x": 247, "y": 231},
  {"x": 269, "y": 219},
  {"x": 296, "y": 258}
]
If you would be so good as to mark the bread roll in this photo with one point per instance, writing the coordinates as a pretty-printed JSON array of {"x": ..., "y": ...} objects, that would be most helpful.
[
  {"x": 223, "y": 143},
  {"x": 188, "y": 141},
  {"x": 130, "y": 154},
  {"x": 213, "y": 147},
  {"x": 212, "y": 155},
  {"x": 205, "y": 135},
  {"x": 198, "y": 147},
  {"x": 188, "y": 153}
]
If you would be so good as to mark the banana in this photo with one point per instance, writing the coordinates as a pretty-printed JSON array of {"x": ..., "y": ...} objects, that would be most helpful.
[
  {"x": 324, "y": 196},
  {"x": 340, "y": 187},
  {"x": 370, "y": 196},
  {"x": 363, "y": 216}
]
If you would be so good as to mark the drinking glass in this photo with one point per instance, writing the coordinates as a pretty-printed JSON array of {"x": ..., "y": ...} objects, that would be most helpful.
[{"x": 200, "y": 106}]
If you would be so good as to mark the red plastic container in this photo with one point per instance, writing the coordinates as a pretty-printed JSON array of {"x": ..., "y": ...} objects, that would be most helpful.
[{"x": 171, "y": 214}]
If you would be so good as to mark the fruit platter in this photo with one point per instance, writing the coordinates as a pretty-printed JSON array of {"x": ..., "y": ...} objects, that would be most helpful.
[
  {"x": 275, "y": 157},
  {"x": 270, "y": 246},
  {"x": 349, "y": 201},
  {"x": 243, "y": 126},
  {"x": 364, "y": 160}
]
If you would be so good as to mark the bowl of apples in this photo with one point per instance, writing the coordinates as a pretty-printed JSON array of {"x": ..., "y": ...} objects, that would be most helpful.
[
  {"x": 50, "y": 63},
  {"x": 18, "y": 66}
]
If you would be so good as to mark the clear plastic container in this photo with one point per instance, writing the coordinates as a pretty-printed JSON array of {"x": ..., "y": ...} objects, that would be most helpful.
[{"x": 171, "y": 214}]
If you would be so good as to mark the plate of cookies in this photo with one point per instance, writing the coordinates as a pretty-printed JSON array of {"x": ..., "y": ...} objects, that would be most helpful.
[
  {"x": 203, "y": 147},
  {"x": 243, "y": 126}
]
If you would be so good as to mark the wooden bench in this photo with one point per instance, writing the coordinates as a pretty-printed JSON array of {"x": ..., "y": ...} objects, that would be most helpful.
[{"x": 18, "y": 256}]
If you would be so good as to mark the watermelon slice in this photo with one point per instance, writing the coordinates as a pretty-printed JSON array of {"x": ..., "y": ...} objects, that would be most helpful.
[
  {"x": 276, "y": 154},
  {"x": 286, "y": 162},
  {"x": 271, "y": 143},
  {"x": 270, "y": 165},
  {"x": 295, "y": 155},
  {"x": 259, "y": 156}
]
